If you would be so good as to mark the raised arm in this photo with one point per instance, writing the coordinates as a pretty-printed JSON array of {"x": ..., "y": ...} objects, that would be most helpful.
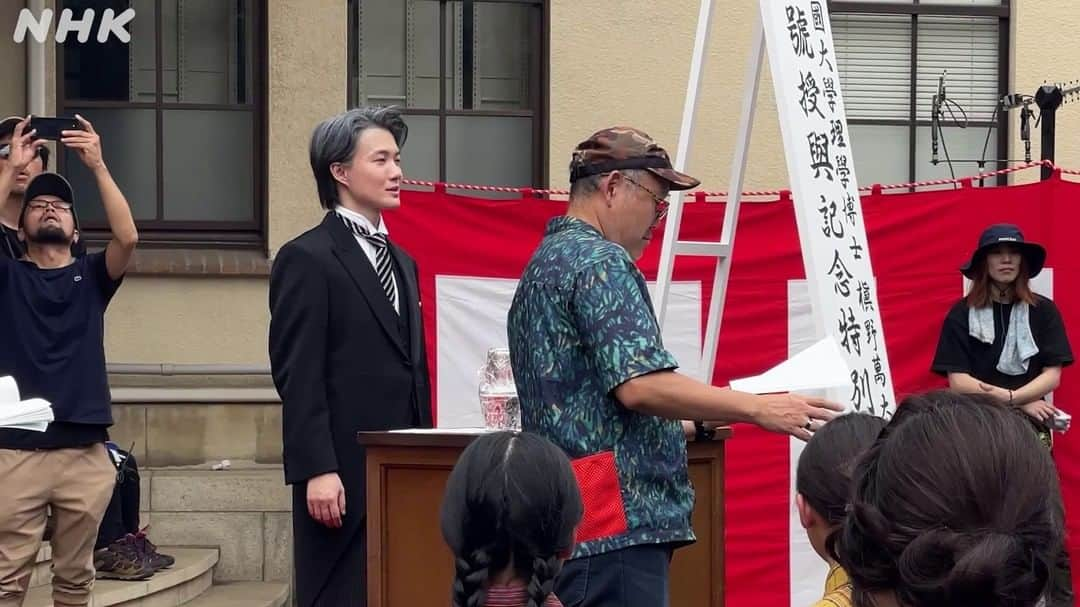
[
  {"x": 22, "y": 149},
  {"x": 121, "y": 249}
]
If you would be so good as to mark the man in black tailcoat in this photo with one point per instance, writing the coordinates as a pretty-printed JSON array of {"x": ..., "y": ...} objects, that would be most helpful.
[{"x": 346, "y": 348}]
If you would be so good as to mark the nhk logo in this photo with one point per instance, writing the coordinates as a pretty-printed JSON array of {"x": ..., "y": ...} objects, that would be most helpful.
[{"x": 111, "y": 25}]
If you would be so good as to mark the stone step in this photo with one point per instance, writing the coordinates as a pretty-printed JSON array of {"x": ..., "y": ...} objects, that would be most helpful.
[
  {"x": 243, "y": 594},
  {"x": 188, "y": 578}
]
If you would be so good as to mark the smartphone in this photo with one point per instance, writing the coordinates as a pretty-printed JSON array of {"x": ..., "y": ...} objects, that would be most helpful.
[
  {"x": 1060, "y": 421},
  {"x": 51, "y": 127}
]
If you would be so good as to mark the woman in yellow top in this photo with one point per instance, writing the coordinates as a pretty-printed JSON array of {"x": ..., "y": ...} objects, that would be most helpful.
[{"x": 822, "y": 484}]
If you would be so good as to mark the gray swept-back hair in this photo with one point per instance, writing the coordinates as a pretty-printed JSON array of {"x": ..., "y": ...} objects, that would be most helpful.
[{"x": 334, "y": 140}]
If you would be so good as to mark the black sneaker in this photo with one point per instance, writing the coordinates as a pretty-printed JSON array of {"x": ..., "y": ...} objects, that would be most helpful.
[
  {"x": 121, "y": 561},
  {"x": 146, "y": 548}
]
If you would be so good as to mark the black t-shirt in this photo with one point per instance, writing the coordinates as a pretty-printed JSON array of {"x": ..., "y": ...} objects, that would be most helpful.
[
  {"x": 958, "y": 352},
  {"x": 53, "y": 345},
  {"x": 10, "y": 247}
]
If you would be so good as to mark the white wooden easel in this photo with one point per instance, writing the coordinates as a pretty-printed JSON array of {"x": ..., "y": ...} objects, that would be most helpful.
[
  {"x": 839, "y": 277},
  {"x": 722, "y": 249}
]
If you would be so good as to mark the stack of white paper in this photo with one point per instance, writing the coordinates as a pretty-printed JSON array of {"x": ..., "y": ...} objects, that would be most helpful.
[
  {"x": 33, "y": 414},
  {"x": 819, "y": 367}
]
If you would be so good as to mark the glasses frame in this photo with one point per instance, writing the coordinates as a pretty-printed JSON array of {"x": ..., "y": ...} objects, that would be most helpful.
[
  {"x": 43, "y": 205},
  {"x": 661, "y": 205}
]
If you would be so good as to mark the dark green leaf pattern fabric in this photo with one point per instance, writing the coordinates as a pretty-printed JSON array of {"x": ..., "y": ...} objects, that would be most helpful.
[{"x": 581, "y": 324}]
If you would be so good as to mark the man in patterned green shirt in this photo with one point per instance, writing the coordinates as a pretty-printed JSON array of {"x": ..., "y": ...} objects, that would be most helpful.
[{"x": 594, "y": 377}]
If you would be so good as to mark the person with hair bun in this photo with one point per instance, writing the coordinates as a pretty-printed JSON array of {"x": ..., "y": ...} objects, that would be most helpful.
[
  {"x": 823, "y": 484},
  {"x": 511, "y": 507},
  {"x": 953, "y": 506}
]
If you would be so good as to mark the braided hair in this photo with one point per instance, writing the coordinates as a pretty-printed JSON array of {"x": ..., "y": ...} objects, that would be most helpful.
[
  {"x": 955, "y": 504},
  {"x": 511, "y": 503}
]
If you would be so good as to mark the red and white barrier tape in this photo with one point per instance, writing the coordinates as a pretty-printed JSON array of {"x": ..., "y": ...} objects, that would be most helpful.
[{"x": 700, "y": 196}]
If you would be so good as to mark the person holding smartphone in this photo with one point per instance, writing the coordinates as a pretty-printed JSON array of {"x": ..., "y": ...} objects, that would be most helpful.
[
  {"x": 13, "y": 180},
  {"x": 53, "y": 345}
]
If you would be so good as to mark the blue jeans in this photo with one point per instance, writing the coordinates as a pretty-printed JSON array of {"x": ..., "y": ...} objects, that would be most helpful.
[{"x": 632, "y": 577}]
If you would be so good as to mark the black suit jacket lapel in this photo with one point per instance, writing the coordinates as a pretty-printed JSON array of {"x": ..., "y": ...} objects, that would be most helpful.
[
  {"x": 359, "y": 268},
  {"x": 409, "y": 298}
]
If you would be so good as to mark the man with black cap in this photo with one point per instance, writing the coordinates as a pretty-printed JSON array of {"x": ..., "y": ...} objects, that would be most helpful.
[
  {"x": 13, "y": 180},
  {"x": 594, "y": 377},
  {"x": 54, "y": 306}
]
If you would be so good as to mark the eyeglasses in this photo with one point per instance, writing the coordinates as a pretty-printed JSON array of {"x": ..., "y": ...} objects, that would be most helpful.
[
  {"x": 660, "y": 203},
  {"x": 41, "y": 205}
]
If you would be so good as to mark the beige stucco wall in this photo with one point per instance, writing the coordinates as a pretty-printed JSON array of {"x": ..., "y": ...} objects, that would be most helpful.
[
  {"x": 308, "y": 56},
  {"x": 225, "y": 320},
  {"x": 188, "y": 320},
  {"x": 617, "y": 62},
  {"x": 1045, "y": 48}
]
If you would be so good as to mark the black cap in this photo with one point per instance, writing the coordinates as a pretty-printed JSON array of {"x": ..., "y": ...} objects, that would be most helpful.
[
  {"x": 1006, "y": 233},
  {"x": 50, "y": 184}
]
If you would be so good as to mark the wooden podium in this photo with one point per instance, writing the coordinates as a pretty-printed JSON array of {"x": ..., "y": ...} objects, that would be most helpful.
[{"x": 409, "y": 564}]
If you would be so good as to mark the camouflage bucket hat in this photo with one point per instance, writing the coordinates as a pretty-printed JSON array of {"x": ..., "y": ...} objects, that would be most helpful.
[{"x": 624, "y": 147}]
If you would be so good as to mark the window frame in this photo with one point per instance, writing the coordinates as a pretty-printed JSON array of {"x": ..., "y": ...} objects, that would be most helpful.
[
  {"x": 165, "y": 233},
  {"x": 915, "y": 9},
  {"x": 540, "y": 94}
]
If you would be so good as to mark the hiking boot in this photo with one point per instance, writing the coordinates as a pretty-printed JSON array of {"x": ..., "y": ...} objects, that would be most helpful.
[
  {"x": 142, "y": 543},
  {"x": 120, "y": 561}
]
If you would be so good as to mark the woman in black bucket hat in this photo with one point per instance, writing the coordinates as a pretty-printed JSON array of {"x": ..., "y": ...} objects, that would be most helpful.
[{"x": 1004, "y": 340}]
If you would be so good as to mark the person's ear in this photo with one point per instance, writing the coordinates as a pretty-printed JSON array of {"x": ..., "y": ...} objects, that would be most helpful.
[
  {"x": 609, "y": 185},
  {"x": 340, "y": 173},
  {"x": 807, "y": 516}
]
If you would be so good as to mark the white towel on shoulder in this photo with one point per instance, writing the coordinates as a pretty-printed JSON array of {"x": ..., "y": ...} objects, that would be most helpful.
[{"x": 1019, "y": 343}]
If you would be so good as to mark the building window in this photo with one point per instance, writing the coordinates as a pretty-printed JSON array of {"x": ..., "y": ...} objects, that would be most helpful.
[
  {"x": 891, "y": 56},
  {"x": 179, "y": 110},
  {"x": 470, "y": 75}
]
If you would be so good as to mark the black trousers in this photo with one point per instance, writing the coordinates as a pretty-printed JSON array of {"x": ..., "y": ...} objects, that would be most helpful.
[
  {"x": 122, "y": 514},
  {"x": 632, "y": 577},
  {"x": 347, "y": 584}
]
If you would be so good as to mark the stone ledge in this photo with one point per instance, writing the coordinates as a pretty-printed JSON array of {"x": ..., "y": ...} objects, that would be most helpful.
[
  {"x": 243, "y": 594},
  {"x": 219, "y": 491},
  {"x": 194, "y": 396},
  {"x": 189, "y": 577},
  {"x": 200, "y": 262}
]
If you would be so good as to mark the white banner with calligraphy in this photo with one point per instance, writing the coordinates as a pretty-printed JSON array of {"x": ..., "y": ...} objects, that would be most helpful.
[{"x": 821, "y": 168}]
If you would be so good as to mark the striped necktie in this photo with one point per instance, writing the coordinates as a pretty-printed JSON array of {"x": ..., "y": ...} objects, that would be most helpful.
[{"x": 383, "y": 265}]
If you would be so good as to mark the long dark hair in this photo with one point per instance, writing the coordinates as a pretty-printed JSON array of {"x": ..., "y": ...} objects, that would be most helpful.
[
  {"x": 826, "y": 465},
  {"x": 979, "y": 295},
  {"x": 512, "y": 500},
  {"x": 956, "y": 503}
]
